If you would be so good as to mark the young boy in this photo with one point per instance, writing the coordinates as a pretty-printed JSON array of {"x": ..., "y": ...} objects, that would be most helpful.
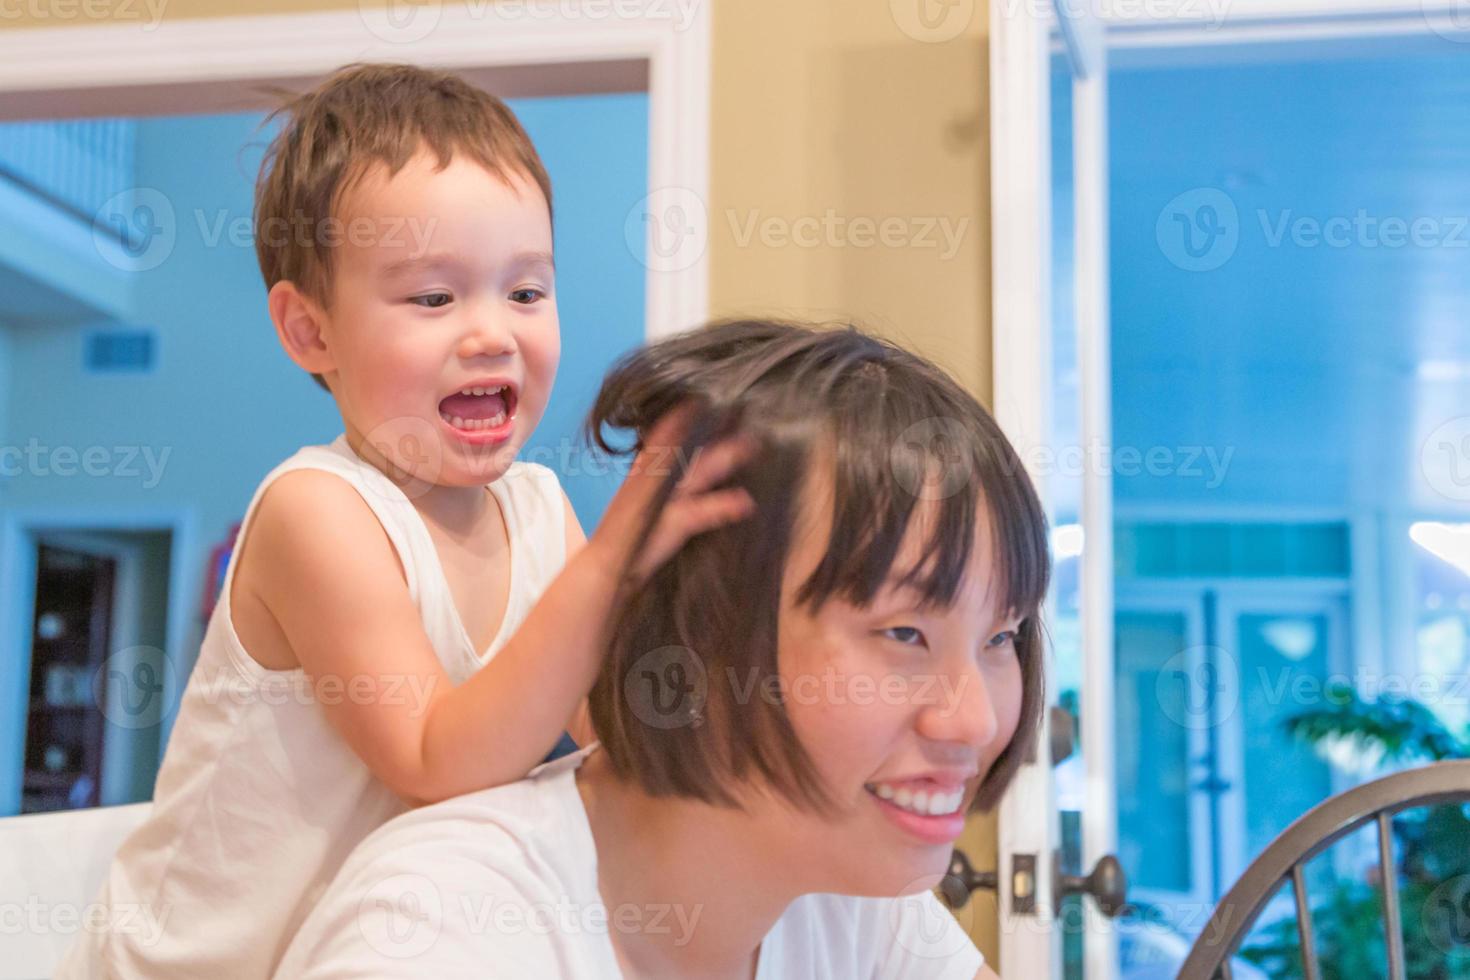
[{"x": 379, "y": 641}]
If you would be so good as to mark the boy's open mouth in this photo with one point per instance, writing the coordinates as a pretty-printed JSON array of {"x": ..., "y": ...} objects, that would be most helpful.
[{"x": 479, "y": 407}]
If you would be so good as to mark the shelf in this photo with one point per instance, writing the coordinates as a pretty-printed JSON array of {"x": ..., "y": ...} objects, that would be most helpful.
[
  {"x": 42, "y": 782},
  {"x": 42, "y": 707}
]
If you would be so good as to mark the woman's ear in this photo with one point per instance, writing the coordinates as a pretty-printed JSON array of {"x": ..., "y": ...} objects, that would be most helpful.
[{"x": 300, "y": 325}]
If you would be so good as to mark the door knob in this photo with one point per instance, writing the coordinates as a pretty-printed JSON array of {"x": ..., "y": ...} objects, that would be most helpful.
[
  {"x": 1107, "y": 885},
  {"x": 961, "y": 879}
]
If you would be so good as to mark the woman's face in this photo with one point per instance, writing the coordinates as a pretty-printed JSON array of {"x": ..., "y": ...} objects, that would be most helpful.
[{"x": 902, "y": 711}]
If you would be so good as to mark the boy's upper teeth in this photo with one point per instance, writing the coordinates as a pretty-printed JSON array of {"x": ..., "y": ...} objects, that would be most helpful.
[
  {"x": 929, "y": 803},
  {"x": 482, "y": 391}
]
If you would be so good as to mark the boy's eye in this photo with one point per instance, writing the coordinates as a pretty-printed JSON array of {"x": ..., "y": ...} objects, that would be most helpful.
[
  {"x": 526, "y": 295},
  {"x": 432, "y": 300},
  {"x": 907, "y": 635}
]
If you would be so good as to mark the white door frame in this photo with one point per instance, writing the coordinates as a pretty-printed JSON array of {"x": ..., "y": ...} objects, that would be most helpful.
[
  {"x": 1020, "y": 180},
  {"x": 571, "y": 47},
  {"x": 1133, "y": 35},
  {"x": 1021, "y": 188}
]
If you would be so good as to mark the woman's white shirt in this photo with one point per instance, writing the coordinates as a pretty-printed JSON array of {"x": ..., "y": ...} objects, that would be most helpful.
[{"x": 502, "y": 883}]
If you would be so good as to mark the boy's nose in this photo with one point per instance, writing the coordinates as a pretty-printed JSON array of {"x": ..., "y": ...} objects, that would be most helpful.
[{"x": 487, "y": 333}]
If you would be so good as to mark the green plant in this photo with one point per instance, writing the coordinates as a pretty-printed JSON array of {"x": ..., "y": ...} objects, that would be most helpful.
[{"x": 1433, "y": 846}]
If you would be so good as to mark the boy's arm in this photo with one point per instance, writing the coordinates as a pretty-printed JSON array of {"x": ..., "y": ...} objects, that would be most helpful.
[
  {"x": 535, "y": 688},
  {"x": 337, "y": 593}
]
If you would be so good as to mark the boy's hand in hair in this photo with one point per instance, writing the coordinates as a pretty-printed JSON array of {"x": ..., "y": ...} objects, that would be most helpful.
[{"x": 695, "y": 506}]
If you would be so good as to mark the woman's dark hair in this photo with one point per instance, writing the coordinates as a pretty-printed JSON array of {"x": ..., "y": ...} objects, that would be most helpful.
[{"x": 677, "y": 705}]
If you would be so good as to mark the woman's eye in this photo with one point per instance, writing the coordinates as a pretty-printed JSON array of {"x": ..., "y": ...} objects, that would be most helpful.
[
  {"x": 906, "y": 635},
  {"x": 432, "y": 301},
  {"x": 527, "y": 295}
]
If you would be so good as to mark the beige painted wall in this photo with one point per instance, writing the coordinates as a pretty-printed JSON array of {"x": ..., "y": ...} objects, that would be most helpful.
[
  {"x": 850, "y": 178},
  {"x": 831, "y": 108}
]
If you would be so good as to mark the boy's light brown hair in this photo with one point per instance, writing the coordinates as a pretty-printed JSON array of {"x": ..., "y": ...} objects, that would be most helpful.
[
  {"x": 678, "y": 704},
  {"x": 367, "y": 114}
]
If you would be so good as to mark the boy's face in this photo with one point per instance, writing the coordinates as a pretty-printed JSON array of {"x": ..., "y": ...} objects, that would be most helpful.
[
  {"x": 900, "y": 709},
  {"x": 443, "y": 282}
]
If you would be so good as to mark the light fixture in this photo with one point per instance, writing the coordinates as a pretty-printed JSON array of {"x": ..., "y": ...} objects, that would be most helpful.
[
  {"x": 1292, "y": 638},
  {"x": 1066, "y": 541},
  {"x": 1447, "y": 542}
]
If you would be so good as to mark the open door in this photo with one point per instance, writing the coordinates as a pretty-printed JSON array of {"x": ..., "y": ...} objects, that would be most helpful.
[
  {"x": 1058, "y": 880},
  {"x": 70, "y": 638}
]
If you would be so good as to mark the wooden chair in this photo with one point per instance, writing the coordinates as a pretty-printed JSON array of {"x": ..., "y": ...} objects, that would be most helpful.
[{"x": 1322, "y": 826}]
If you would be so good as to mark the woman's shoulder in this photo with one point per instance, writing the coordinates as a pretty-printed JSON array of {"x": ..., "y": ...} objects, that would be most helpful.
[
  {"x": 881, "y": 936},
  {"x": 518, "y": 817},
  {"x": 437, "y": 890},
  {"x": 503, "y": 827}
]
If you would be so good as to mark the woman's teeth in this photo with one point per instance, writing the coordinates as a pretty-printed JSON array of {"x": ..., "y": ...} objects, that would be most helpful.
[{"x": 922, "y": 802}]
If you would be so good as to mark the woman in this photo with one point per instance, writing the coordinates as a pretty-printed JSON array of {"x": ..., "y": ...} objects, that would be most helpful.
[{"x": 795, "y": 714}]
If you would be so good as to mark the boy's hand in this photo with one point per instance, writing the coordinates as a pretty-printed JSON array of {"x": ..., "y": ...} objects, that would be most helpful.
[{"x": 692, "y": 509}]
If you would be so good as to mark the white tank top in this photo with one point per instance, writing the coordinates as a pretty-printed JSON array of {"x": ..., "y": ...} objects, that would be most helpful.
[{"x": 258, "y": 799}]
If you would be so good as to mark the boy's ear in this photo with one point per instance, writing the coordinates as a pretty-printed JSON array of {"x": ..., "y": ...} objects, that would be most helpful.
[{"x": 300, "y": 322}]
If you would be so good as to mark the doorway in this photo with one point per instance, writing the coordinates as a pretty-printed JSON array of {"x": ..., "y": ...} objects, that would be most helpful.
[
  {"x": 1207, "y": 675},
  {"x": 70, "y": 636},
  {"x": 1273, "y": 363},
  {"x": 95, "y": 697}
]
